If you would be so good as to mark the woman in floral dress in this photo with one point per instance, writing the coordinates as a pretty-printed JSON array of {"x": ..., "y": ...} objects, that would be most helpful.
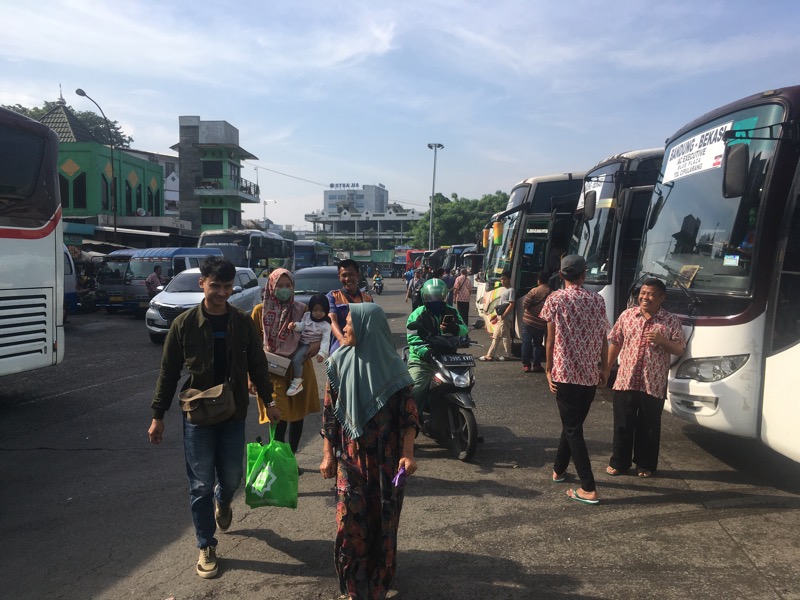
[{"x": 370, "y": 422}]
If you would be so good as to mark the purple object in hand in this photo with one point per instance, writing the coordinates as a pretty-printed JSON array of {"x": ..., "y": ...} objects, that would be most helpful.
[{"x": 400, "y": 478}]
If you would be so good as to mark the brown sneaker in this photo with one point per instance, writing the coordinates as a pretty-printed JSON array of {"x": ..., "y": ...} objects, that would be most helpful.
[
  {"x": 207, "y": 563},
  {"x": 223, "y": 513}
]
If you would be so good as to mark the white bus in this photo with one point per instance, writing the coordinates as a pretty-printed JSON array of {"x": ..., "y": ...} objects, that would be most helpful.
[
  {"x": 529, "y": 236},
  {"x": 31, "y": 248},
  {"x": 724, "y": 232},
  {"x": 609, "y": 223}
]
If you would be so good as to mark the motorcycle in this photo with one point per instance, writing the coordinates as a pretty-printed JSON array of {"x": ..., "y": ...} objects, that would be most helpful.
[
  {"x": 449, "y": 418},
  {"x": 377, "y": 286}
]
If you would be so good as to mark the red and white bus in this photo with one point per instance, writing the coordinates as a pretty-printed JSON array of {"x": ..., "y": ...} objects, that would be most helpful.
[{"x": 31, "y": 247}]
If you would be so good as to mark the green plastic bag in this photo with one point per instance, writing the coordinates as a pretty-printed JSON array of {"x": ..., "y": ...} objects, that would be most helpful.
[{"x": 271, "y": 474}]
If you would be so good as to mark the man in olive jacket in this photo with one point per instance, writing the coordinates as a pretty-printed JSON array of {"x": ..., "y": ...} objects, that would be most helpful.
[{"x": 215, "y": 341}]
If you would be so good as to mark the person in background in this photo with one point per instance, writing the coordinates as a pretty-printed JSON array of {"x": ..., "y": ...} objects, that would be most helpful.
[
  {"x": 576, "y": 365},
  {"x": 502, "y": 320},
  {"x": 200, "y": 337},
  {"x": 341, "y": 299},
  {"x": 153, "y": 281},
  {"x": 449, "y": 281},
  {"x": 462, "y": 294},
  {"x": 643, "y": 338},
  {"x": 414, "y": 288},
  {"x": 272, "y": 318},
  {"x": 533, "y": 328},
  {"x": 315, "y": 339},
  {"x": 369, "y": 425},
  {"x": 408, "y": 276}
]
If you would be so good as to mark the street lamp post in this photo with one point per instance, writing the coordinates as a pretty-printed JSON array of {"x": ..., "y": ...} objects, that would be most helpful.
[
  {"x": 433, "y": 147},
  {"x": 80, "y": 92}
]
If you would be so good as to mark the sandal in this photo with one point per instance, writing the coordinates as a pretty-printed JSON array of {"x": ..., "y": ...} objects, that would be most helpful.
[
  {"x": 486, "y": 359},
  {"x": 574, "y": 495},
  {"x": 612, "y": 471},
  {"x": 645, "y": 473},
  {"x": 559, "y": 478}
]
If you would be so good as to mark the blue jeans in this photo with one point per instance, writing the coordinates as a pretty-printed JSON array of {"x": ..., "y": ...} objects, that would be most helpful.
[
  {"x": 298, "y": 358},
  {"x": 532, "y": 338},
  {"x": 214, "y": 454}
]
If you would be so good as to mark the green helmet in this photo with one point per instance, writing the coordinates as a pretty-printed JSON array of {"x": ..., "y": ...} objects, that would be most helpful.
[{"x": 434, "y": 290}]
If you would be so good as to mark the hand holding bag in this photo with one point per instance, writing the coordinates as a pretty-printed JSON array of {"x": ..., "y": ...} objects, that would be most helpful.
[{"x": 271, "y": 474}]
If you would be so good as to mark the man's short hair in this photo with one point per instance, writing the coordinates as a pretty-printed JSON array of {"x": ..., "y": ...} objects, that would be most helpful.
[
  {"x": 506, "y": 274},
  {"x": 464, "y": 271},
  {"x": 156, "y": 268},
  {"x": 656, "y": 283},
  {"x": 347, "y": 263},
  {"x": 218, "y": 267},
  {"x": 543, "y": 277}
]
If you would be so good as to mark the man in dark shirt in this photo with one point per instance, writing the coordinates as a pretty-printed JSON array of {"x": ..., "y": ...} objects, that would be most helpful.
[{"x": 204, "y": 338}]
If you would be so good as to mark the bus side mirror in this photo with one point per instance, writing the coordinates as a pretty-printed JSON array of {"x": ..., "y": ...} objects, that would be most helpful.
[
  {"x": 651, "y": 222},
  {"x": 619, "y": 213},
  {"x": 589, "y": 204},
  {"x": 734, "y": 170}
]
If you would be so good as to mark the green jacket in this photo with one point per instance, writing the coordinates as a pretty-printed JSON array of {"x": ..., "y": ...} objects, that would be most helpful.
[
  {"x": 190, "y": 342},
  {"x": 429, "y": 324}
]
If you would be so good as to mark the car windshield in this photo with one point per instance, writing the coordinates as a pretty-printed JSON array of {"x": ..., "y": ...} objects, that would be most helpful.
[
  {"x": 700, "y": 238},
  {"x": 183, "y": 283},
  {"x": 592, "y": 239},
  {"x": 142, "y": 269},
  {"x": 315, "y": 283}
]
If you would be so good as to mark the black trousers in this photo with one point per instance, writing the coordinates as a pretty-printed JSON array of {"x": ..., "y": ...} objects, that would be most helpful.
[
  {"x": 637, "y": 430},
  {"x": 574, "y": 402},
  {"x": 463, "y": 310}
]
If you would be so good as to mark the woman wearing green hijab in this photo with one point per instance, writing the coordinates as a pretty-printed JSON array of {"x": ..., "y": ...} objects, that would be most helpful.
[{"x": 370, "y": 422}]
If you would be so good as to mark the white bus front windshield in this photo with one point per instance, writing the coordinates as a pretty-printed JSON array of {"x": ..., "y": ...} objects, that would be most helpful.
[
  {"x": 593, "y": 239},
  {"x": 501, "y": 254},
  {"x": 702, "y": 239}
]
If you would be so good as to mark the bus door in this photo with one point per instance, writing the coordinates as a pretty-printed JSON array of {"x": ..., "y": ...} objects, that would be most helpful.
[
  {"x": 631, "y": 213},
  {"x": 780, "y": 412},
  {"x": 532, "y": 254}
]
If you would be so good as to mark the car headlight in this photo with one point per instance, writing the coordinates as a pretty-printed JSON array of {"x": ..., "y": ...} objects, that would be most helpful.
[
  {"x": 152, "y": 304},
  {"x": 711, "y": 369}
]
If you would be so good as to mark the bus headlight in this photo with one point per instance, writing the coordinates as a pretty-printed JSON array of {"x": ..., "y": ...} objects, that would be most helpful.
[{"x": 711, "y": 369}]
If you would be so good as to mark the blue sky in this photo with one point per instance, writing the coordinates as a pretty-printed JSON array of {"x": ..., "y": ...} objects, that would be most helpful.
[{"x": 351, "y": 91}]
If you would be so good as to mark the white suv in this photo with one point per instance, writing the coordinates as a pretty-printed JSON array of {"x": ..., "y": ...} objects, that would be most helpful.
[{"x": 183, "y": 293}]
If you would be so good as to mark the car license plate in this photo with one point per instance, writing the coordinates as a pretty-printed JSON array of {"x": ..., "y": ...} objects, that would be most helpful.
[
  {"x": 115, "y": 299},
  {"x": 461, "y": 360}
]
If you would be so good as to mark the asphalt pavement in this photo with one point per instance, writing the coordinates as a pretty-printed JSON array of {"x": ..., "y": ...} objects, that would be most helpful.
[{"x": 89, "y": 509}]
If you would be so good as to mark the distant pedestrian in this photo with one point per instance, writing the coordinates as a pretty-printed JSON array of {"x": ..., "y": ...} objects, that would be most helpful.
[
  {"x": 533, "y": 327},
  {"x": 153, "y": 281},
  {"x": 408, "y": 276},
  {"x": 449, "y": 281},
  {"x": 643, "y": 338},
  {"x": 502, "y": 320},
  {"x": 576, "y": 365},
  {"x": 414, "y": 290},
  {"x": 462, "y": 290}
]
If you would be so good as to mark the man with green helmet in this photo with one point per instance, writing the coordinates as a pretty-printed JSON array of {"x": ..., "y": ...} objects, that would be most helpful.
[{"x": 434, "y": 317}]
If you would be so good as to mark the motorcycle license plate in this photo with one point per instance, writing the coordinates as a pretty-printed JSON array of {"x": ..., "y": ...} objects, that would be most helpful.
[{"x": 460, "y": 360}]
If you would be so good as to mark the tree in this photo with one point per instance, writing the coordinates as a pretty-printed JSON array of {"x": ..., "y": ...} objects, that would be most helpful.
[
  {"x": 457, "y": 220},
  {"x": 287, "y": 234},
  {"x": 94, "y": 123}
]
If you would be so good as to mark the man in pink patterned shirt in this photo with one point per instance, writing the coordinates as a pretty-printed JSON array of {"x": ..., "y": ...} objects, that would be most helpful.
[
  {"x": 576, "y": 364},
  {"x": 643, "y": 338}
]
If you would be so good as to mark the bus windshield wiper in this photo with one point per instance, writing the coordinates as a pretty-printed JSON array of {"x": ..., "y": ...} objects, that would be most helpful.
[{"x": 695, "y": 300}]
